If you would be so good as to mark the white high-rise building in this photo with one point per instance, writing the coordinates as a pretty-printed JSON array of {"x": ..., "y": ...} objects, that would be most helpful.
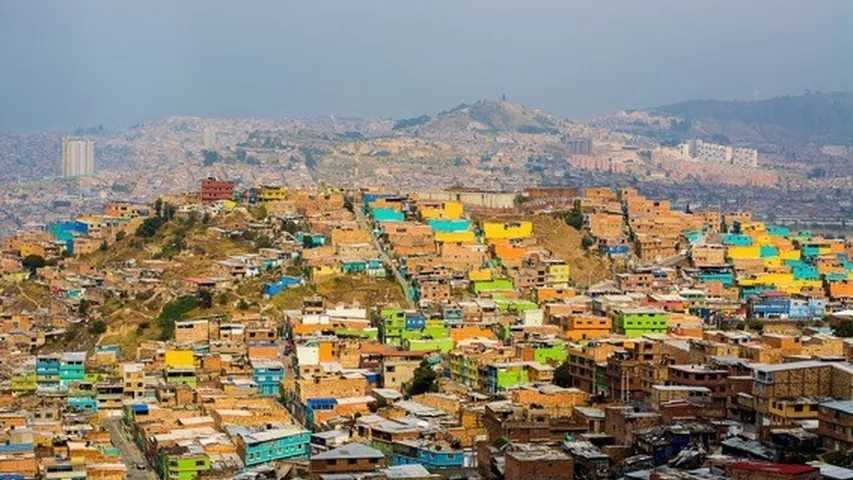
[{"x": 78, "y": 157}]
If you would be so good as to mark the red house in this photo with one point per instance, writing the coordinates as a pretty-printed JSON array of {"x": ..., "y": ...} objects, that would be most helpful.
[{"x": 213, "y": 190}]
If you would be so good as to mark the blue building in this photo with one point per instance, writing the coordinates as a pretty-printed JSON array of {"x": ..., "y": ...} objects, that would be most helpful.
[
  {"x": 72, "y": 368},
  {"x": 767, "y": 307},
  {"x": 267, "y": 374},
  {"x": 619, "y": 250},
  {"x": 452, "y": 314},
  {"x": 415, "y": 321},
  {"x": 281, "y": 284},
  {"x": 717, "y": 274},
  {"x": 83, "y": 404},
  {"x": 432, "y": 456},
  {"x": 66, "y": 231},
  {"x": 315, "y": 404},
  {"x": 47, "y": 371},
  {"x": 311, "y": 240},
  {"x": 266, "y": 446},
  {"x": 806, "y": 309},
  {"x": 737, "y": 240}
]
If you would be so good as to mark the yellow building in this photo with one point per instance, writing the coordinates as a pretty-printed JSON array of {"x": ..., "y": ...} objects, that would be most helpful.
[
  {"x": 739, "y": 253},
  {"x": 558, "y": 273},
  {"x": 447, "y": 210},
  {"x": 179, "y": 359},
  {"x": 320, "y": 271},
  {"x": 271, "y": 193},
  {"x": 480, "y": 275},
  {"x": 507, "y": 230},
  {"x": 463, "y": 236}
]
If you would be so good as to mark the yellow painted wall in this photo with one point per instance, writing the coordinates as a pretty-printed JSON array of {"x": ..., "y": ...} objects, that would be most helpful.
[
  {"x": 179, "y": 358},
  {"x": 738, "y": 253},
  {"x": 464, "y": 236},
  {"x": 510, "y": 230},
  {"x": 480, "y": 275}
]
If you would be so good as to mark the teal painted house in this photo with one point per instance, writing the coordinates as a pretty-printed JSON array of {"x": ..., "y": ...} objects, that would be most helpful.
[
  {"x": 47, "y": 371},
  {"x": 83, "y": 404},
  {"x": 737, "y": 240},
  {"x": 272, "y": 445},
  {"x": 267, "y": 374},
  {"x": 445, "y": 225},
  {"x": 72, "y": 368},
  {"x": 387, "y": 215}
]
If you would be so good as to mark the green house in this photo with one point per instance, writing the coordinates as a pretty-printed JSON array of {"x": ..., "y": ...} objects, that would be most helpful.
[
  {"x": 493, "y": 286},
  {"x": 72, "y": 368},
  {"x": 501, "y": 376},
  {"x": 181, "y": 376},
  {"x": 443, "y": 345},
  {"x": 391, "y": 325},
  {"x": 24, "y": 384},
  {"x": 636, "y": 322},
  {"x": 550, "y": 354},
  {"x": 182, "y": 463},
  {"x": 517, "y": 305}
]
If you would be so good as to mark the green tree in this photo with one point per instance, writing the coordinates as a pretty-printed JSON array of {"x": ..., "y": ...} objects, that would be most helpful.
[
  {"x": 844, "y": 329},
  {"x": 98, "y": 327},
  {"x": 149, "y": 227},
  {"x": 840, "y": 458},
  {"x": 563, "y": 375},
  {"x": 205, "y": 298},
  {"x": 33, "y": 263},
  {"x": 83, "y": 307},
  {"x": 755, "y": 324},
  {"x": 575, "y": 216},
  {"x": 242, "y": 305},
  {"x": 423, "y": 380},
  {"x": 172, "y": 312},
  {"x": 263, "y": 241}
]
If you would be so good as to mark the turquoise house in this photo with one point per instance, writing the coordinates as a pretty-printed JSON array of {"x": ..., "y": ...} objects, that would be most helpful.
[
  {"x": 447, "y": 225},
  {"x": 432, "y": 457},
  {"x": 83, "y": 404},
  {"x": 387, "y": 215},
  {"x": 72, "y": 368},
  {"x": 267, "y": 374},
  {"x": 737, "y": 240},
  {"x": 272, "y": 445},
  {"x": 778, "y": 231},
  {"x": 47, "y": 371}
]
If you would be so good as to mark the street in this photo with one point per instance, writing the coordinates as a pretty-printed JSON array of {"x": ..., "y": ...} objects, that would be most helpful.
[
  {"x": 130, "y": 453},
  {"x": 365, "y": 224}
]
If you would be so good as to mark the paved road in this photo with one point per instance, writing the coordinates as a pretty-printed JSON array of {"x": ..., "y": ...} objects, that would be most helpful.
[
  {"x": 362, "y": 221},
  {"x": 130, "y": 453}
]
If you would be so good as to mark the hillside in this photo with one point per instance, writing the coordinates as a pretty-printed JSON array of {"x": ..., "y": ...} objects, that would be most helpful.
[
  {"x": 821, "y": 118},
  {"x": 585, "y": 268},
  {"x": 484, "y": 116}
]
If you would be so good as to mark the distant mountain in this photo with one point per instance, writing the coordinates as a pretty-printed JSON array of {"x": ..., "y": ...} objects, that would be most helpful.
[
  {"x": 484, "y": 116},
  {"x": 820, "y": 118}
]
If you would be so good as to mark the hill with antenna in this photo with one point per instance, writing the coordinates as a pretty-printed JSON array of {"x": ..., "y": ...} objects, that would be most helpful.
[{"x": 484, "y": 116}]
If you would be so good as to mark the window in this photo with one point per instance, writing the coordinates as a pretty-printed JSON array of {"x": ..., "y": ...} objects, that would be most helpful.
[
  {"x": 199, "y": 463},
  {"x": 352, "y": 461}
]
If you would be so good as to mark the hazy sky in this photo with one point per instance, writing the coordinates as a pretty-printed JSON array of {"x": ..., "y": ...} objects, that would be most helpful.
[{"x": 69, "y": 63}]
